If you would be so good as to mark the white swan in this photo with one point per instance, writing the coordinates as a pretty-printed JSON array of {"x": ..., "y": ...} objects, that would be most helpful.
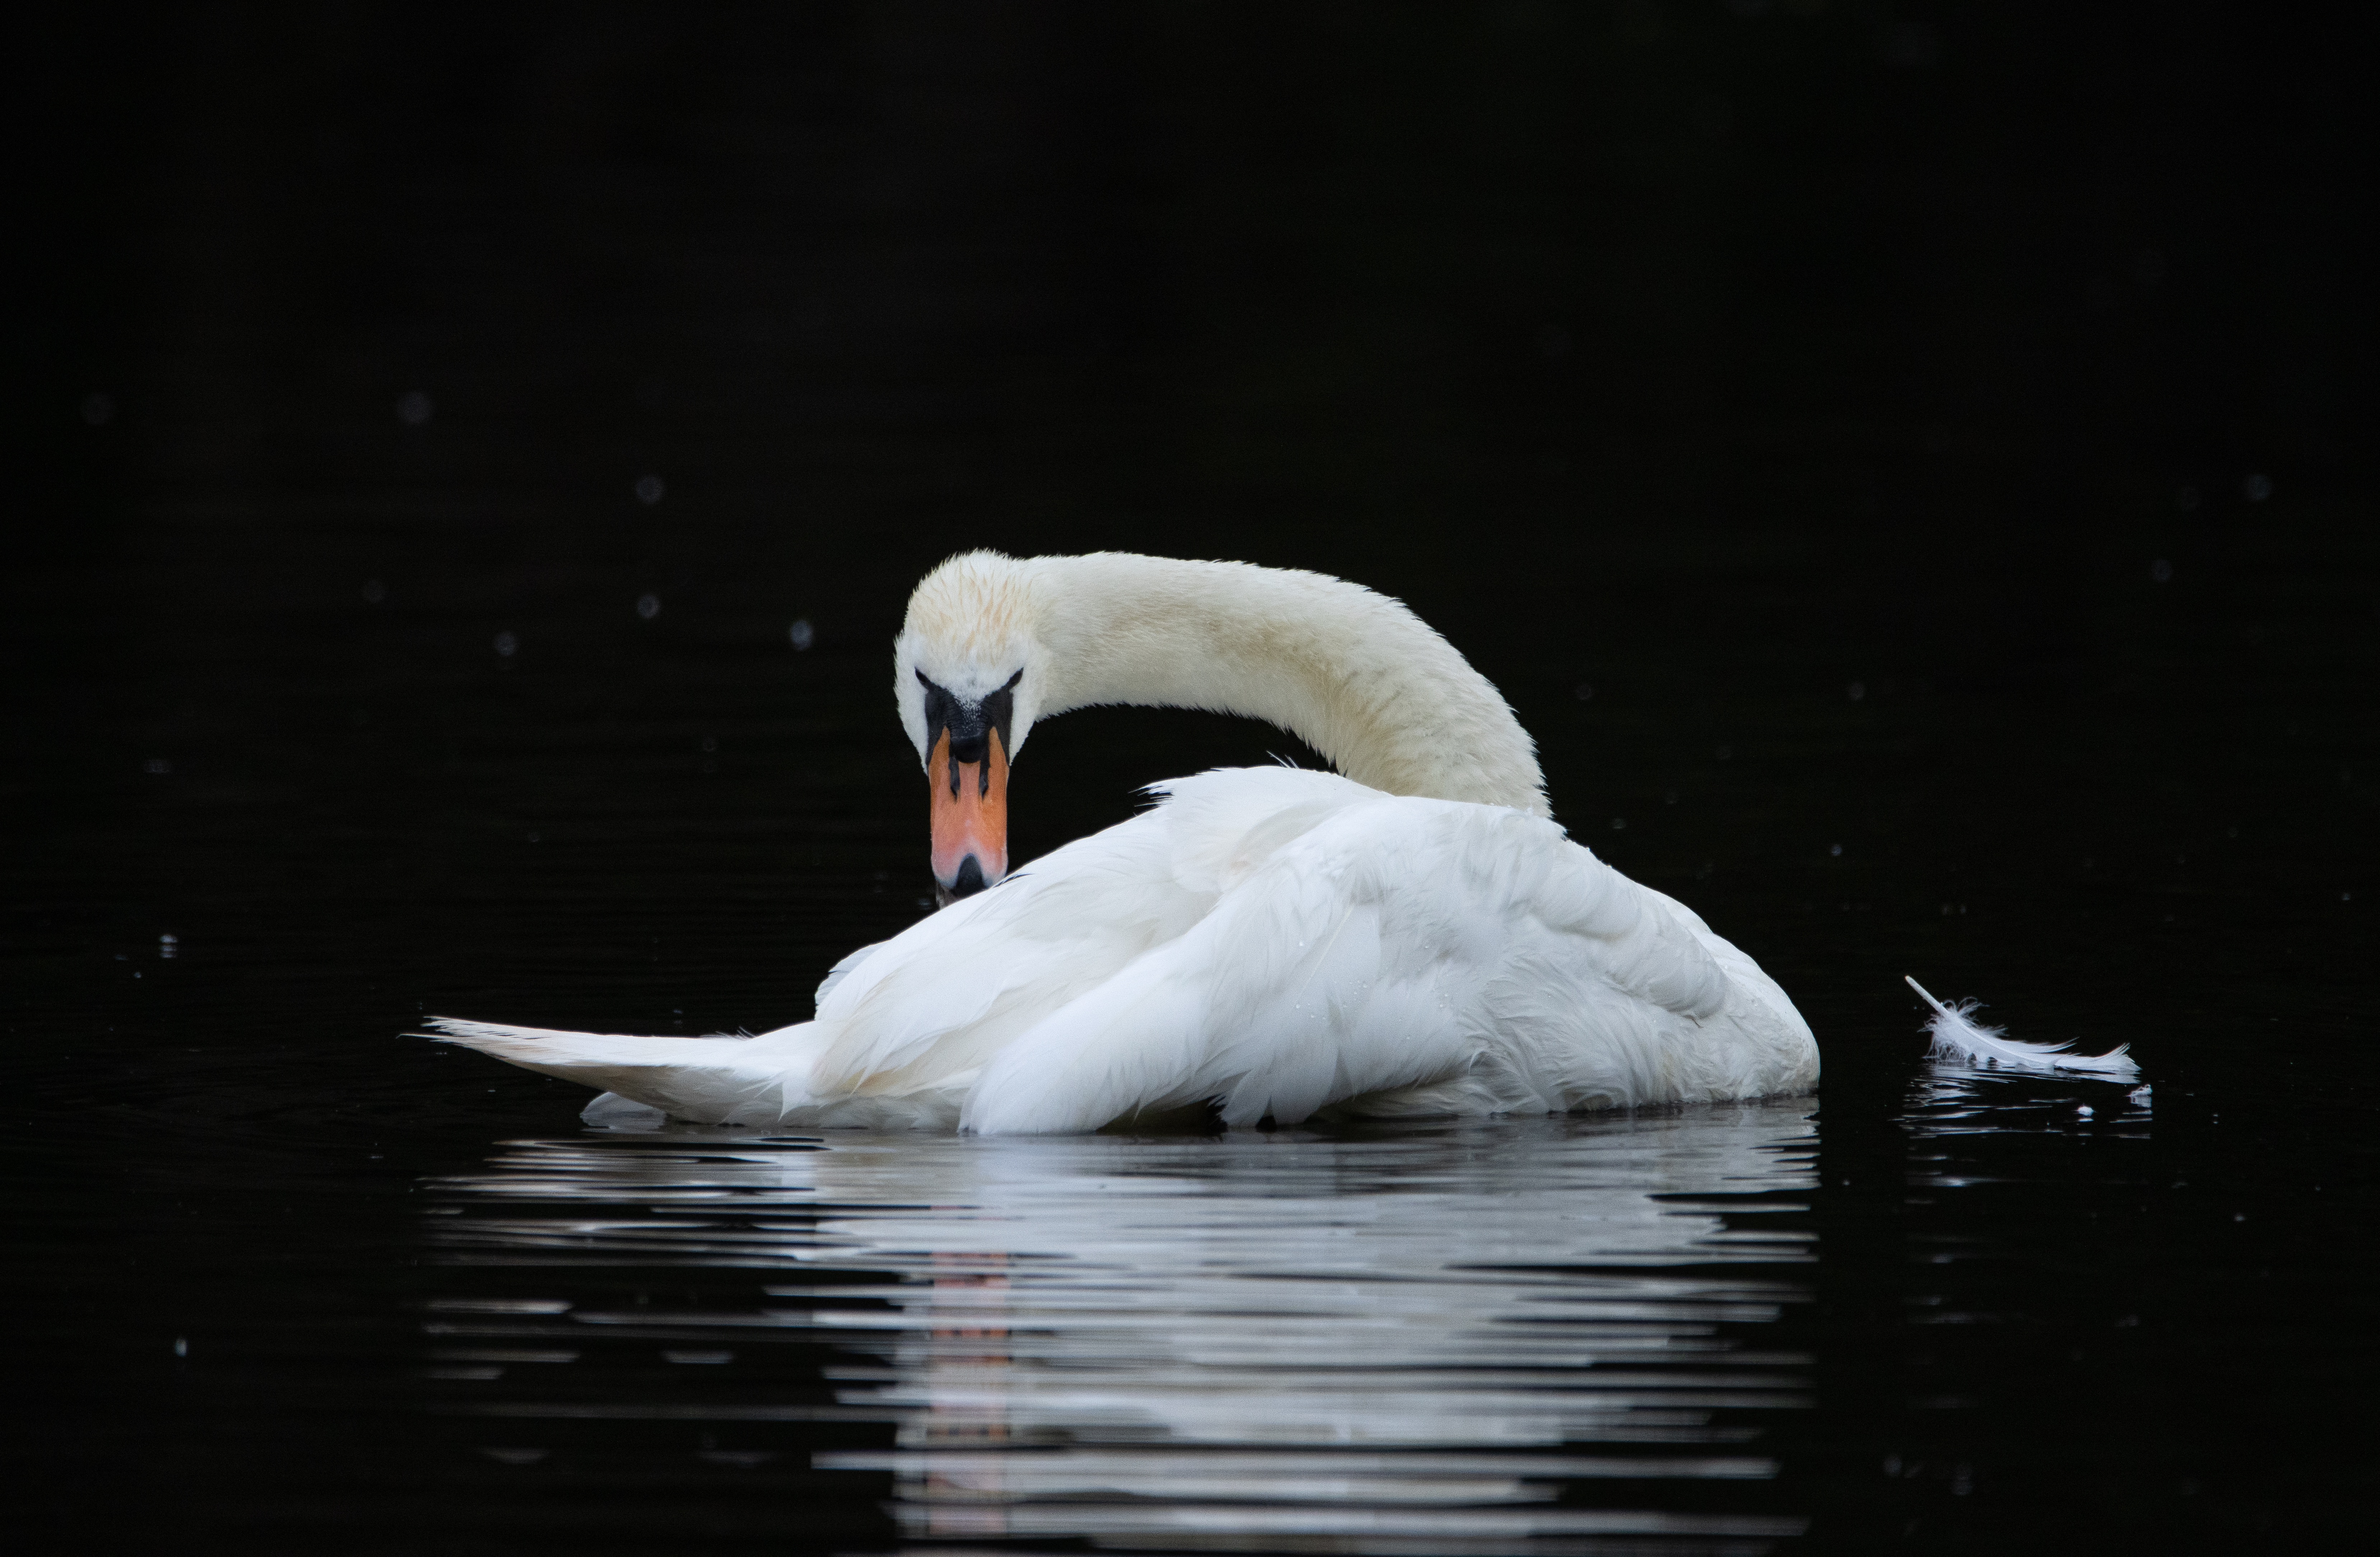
[{"x": 1414, "y": 938}]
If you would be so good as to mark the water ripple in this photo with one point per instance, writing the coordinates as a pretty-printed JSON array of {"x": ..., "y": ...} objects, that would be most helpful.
[{"x": 1534, "y": 1336}]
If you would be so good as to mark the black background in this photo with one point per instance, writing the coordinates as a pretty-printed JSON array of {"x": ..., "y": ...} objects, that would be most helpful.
[{"x": 1907, "y": 465}]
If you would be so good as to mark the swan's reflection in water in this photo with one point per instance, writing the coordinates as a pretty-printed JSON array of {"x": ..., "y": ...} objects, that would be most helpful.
[{"x": 1525, "y": 1335}]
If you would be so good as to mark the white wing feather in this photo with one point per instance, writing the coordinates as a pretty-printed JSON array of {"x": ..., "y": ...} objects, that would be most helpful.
[{"x": 1957, "y": 1036}]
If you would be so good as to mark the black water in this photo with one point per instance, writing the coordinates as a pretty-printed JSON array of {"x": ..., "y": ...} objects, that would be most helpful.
[{"x": 1907, "y": 466}]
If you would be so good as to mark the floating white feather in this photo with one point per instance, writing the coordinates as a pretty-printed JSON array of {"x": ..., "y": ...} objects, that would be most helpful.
[{"x": 1958, "y": 1037}]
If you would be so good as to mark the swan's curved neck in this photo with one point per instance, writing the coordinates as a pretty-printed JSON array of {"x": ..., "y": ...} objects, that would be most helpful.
[{"x": 1356, "y": 675}]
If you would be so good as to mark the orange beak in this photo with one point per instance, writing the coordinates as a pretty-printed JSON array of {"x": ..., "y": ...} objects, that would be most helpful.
[{"x": 969, "y": 804}]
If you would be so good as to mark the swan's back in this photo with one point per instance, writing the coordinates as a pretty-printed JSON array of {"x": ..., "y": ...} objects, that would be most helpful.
[
  {"x": 1278, "y": 942},
  {"x": 1286, "y": 941}
]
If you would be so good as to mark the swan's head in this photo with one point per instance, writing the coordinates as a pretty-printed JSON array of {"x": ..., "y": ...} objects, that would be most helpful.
[{"x": 969, "y": 676}]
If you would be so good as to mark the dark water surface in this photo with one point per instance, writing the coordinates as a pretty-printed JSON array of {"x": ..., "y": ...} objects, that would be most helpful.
[{"x": 1910, "y": 474}]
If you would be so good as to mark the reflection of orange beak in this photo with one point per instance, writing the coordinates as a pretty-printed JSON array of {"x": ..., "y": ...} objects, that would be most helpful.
[{"x": 970, "y": 815}]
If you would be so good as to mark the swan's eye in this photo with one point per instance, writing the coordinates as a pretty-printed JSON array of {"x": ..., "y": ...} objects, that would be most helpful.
[{"x": 970, "y": 725}]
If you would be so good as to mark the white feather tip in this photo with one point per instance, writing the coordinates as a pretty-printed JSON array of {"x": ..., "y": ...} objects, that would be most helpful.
[{"x": 1958, "y": 1037}]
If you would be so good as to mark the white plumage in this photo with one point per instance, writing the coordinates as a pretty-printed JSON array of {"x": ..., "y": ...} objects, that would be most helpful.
[
  {"x": 1276, "y": 942},
  {"x": 1957, "y": 1036}
]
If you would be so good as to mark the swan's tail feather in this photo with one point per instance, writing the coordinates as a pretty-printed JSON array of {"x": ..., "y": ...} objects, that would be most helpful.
[
  {"x": 716, "y": 1080},
  {"x": 1958, "y": 1037}
]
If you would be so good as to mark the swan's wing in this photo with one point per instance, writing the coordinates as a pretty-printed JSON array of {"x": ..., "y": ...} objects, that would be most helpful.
[
  {"x": 903, "y": 1025},
  {"x": 842, "y": 970},
  {"x": 1401, "y": 943},
  {"x": 928, "y": 1007}
]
